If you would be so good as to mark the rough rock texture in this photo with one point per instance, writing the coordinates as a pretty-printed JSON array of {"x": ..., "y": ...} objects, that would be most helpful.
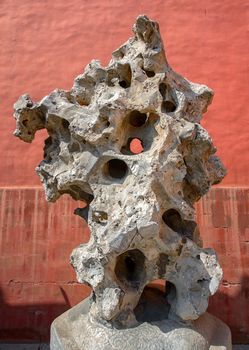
[{"x": 140, "y": 207}]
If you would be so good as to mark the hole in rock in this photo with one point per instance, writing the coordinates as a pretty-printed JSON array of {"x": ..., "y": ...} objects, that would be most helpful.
[
  {"x": 78, "y": 193},
  {"x": 99, "y": 216},
  {"x": 70, "y": 97},
  {"x": 137, "y": 118},
  {"x": 82, "y": 212},
  {"x": 119, "y": 54},
  {"x": 25, "y": 122},
  {"x": 163, "y": 89},
  {"x": 139, "y": 132},
  {"x": 74, "y": 147},
  {"x": 46, "y": 149},
  {"x": 168, "y": 107},
  {"x": 149, "y": 73},
  {"x": 170, "y": 291},
  {"x": 121, "y": 73},
  {"x": 65, "y": 123},
  {"x": 123, "y": 84},
  {"x": 82, "y": 101},
  {"x": 162, "y": 262},
  {"x": 58, "y": 127},
  {"x": 153, "y": 118},
  {"x": 173, "y": 219},
  {"x": 130, "y": 268},
  {"x": 136, "y": 146},
  {"x": 116, "y": 168},
  {"x": 133, "y": 146},
  {"x": 125, "y": 75},
  {"x": 152, "y": 305},
  {"x": 168, "y": 104},
  {"x": 202, "y": 282}
]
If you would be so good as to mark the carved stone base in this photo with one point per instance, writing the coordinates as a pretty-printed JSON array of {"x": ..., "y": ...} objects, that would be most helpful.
[{"x": 73, "y": 330}]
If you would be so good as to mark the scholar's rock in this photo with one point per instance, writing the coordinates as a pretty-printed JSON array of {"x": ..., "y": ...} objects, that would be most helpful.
[{"x": 139, "y": 206}]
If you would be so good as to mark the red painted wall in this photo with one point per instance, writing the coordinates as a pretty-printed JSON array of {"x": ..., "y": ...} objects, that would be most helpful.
[{"x": 44, "y": 45}]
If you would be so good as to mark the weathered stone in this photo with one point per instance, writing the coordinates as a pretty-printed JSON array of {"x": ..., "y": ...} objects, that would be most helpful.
[{"x": 140, "y": 207}]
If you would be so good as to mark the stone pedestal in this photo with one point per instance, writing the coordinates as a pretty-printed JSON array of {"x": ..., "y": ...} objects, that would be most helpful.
[{"x": 75, "y": 331}]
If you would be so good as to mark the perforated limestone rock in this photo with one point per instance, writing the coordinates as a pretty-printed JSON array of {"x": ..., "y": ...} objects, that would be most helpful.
[{"x": 140, "y": 207}]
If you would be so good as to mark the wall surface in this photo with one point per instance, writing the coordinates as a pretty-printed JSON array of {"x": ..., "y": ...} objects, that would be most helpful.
[{"x": 44, "y": 45}]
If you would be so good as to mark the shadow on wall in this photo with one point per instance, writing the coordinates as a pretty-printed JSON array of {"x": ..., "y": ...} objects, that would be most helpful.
[
  {"x": 36, "y": 279},
  {"x": 223, "y": 220},
  {"x": 225, "y": 304},
  {"x": 31, "y": 322}
]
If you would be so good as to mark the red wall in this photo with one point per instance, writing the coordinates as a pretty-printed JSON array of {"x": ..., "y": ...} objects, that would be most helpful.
[{"x": 44, "y": 45}]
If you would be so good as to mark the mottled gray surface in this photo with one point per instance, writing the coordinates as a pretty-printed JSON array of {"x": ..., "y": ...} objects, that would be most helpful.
[{"x": 140, "y": 207}]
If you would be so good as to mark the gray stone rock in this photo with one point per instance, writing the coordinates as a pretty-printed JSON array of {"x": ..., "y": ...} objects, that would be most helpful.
[{"x": 139, "y": 207}]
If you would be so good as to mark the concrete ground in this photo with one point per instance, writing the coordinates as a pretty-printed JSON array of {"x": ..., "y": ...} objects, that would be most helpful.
[{"x": 46, "y": 347}]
